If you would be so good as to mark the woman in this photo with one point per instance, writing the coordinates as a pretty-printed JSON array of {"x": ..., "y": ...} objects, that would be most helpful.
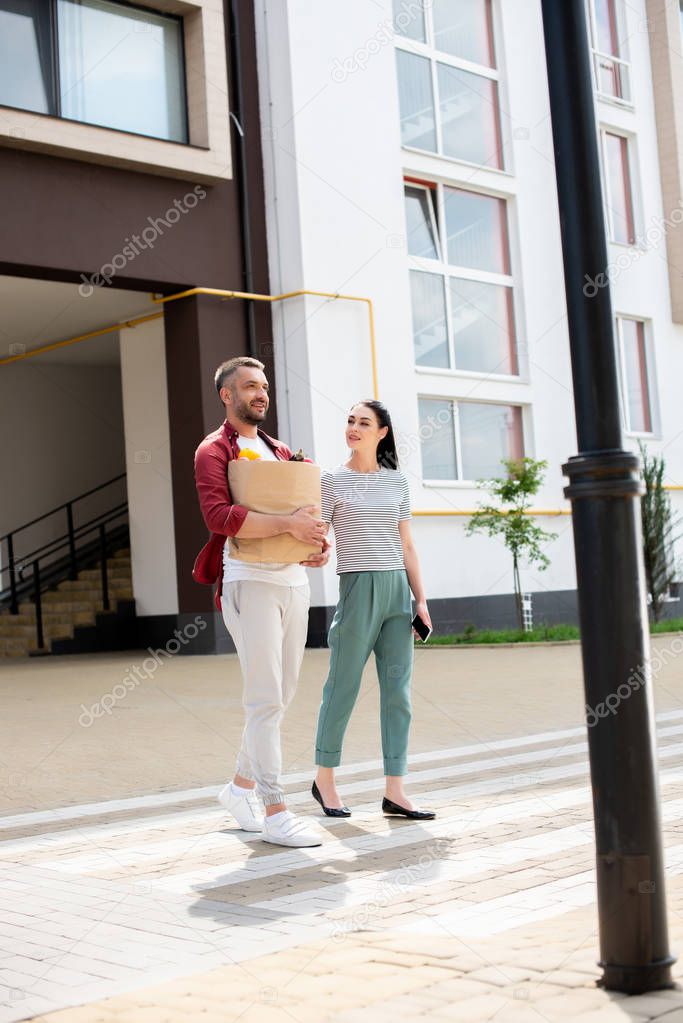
[{"x": 367, "y": 501}]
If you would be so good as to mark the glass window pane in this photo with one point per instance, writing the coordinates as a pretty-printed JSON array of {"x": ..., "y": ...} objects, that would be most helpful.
[
  {"x": 488, "y": 433},
  {"x": 437, "y": 440},
  {"x": 409, "y": 20},
  {"x": 468, "y": 108},
  {"x": 430, "y": 335},
  {"x": 416, "y": 101},
  {"x": 420, "y": 223},
  {"x": 476, "y": 229},
  {"x": 464, "y": 29},
  {"x": 619, "y": 182},
  {"x": 122, "y": 68},
  {"x": 637, "y": 397},
  {"x": 612, "y": 78},
  {"x": 606, "y": 25},
  {"x": 26, "y": 56},
  {"x": 483, "y": 331}
]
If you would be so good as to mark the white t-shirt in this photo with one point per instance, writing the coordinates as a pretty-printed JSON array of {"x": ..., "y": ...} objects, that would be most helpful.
[{"x": 267, "y": 572}]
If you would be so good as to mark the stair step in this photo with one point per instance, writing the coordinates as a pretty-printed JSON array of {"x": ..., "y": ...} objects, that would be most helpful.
[
  {"x": 93, "y": 584},
  {"x": 17, "y": 623},
  {"x": 58, "y": 607},
  {"x": 113, "y": 572},
  {"x": 17, "y": 648},
  {"x": 92, "y": 597},
  {"x": 51, "y": 613},
  {"x": 51, "y": 630}
]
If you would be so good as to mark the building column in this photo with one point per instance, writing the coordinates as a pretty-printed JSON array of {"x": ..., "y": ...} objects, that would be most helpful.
[
  {"x": 200, "y": 333},
  {"x": 148, "y": 469}
]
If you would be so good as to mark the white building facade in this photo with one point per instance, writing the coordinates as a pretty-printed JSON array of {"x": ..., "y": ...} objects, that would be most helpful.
[{"x": 408, "y": 159}]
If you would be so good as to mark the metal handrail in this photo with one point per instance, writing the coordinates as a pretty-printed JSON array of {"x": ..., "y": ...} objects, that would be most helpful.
[
  {"x": 61, "y": 507},
  {"x": 52, "y": 546},
  {"x": 98, "y": 525},
  {"x": 71, "y": 543}
]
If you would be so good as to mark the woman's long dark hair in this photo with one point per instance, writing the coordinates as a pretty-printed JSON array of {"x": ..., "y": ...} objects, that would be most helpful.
[{"x": 386, "y": 449}]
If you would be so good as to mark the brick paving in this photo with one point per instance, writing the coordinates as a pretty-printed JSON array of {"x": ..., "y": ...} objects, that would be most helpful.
[{"x": 128, "y": 896}]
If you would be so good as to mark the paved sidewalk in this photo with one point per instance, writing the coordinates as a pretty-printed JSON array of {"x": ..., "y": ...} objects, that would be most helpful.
[{"x": 129, "y": 896}]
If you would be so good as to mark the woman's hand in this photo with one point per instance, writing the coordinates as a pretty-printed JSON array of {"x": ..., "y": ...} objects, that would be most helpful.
[
  {"x": 318, "y": 560},
  {"x": 422, "y": 610}
]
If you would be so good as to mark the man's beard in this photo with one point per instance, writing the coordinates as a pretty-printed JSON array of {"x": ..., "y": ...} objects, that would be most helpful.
[{"x": 251, "y": 415}]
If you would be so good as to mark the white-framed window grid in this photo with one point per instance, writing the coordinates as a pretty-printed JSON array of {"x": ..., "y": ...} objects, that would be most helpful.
[
  {"x": 435, "y": 56},
  {"x": 618, "y": 65},
  {"x": 447, "y": 271},
  {"x": 647, "y": 379},
  {"x": 631, "y": 187},
  {"x": 460, "y": 480}
]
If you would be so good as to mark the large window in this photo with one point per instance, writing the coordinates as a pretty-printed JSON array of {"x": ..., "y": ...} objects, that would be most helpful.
[
  {"x": 611, "y": 68},
  {"x": 635, "y": 375},
  {"x": 618, "y": 188},
  {"x": 96, "y": 61},
  {"x": 460, "y": 280},
  {"x": 467, "y": 440},
  {"x": 448, "y": 81}
]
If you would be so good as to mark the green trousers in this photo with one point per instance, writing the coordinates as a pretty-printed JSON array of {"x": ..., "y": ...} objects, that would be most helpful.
[{"x": 373, "y": 613}]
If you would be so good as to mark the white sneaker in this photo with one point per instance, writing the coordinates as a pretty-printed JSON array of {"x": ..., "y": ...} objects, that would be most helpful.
[
  {"x": 246, "y": 808},
  {"x": 285, "y": 829}
]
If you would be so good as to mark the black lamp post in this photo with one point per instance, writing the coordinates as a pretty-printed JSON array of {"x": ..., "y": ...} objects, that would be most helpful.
[{"x": 605, "y": 491}]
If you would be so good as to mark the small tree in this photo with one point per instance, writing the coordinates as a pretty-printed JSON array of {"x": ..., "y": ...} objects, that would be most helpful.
[
  {"x": 658, "y": 532},
  {"x": 510, "y": 518}
]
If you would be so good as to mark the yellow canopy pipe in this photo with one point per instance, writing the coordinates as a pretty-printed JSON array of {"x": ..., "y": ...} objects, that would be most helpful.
[
  {"x": 219, "y": 293},
  {"x": 79, "y": 337}
]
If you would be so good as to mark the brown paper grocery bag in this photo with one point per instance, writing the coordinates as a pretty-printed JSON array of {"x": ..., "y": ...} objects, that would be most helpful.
[{"x": 274, "y": 488}]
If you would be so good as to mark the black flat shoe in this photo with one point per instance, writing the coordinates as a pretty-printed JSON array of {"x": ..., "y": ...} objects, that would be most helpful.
[
  {"x": 400, "y": 811},
  {"x": 330, "y": 811}
]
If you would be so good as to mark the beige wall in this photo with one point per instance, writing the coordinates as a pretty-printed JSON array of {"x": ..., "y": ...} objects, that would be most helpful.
[{"x": 664, "y": 24}]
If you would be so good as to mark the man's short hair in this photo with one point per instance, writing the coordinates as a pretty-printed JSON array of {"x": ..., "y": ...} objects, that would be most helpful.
[{"x": 226, "y": 369}]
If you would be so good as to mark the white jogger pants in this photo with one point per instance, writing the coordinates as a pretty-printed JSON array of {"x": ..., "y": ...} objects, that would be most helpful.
[{"x": 268, "y": 623}]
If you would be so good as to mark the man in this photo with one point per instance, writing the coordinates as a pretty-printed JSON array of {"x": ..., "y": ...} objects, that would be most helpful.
[{"x": 264, "y": 606}]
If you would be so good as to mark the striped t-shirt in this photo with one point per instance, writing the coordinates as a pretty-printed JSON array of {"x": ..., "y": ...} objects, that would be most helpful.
[{"x": 365, "y": 509}]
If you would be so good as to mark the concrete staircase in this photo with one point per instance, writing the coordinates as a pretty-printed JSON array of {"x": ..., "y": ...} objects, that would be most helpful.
[{"x": 75, "y": 602}]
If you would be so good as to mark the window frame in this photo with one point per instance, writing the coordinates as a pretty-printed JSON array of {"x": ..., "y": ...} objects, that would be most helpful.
[
  {"x": 208, "y": 156},
  {"x": 55, "y": 77},
  {"x": 622, "y": 59},
  {"x": 650, "y": 377},
  {"x": 451, "y": 271},
  {"x": 428, "y": 50},
  {"x": 633, "y": 203},
  {"x": 460, "y": 480}
]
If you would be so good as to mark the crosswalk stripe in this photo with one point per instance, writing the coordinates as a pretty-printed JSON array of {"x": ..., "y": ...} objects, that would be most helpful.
[
  {"x": 84, "y": 810},
  {"x": 544, "y": 902},
  {"x": 495, "y": 786},
  {"x": 352, "y": 848},
  {"x": 463, "y": 865}
]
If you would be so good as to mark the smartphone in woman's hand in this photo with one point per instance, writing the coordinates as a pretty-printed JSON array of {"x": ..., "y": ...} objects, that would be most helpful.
[{"x": 421, "y": 628}]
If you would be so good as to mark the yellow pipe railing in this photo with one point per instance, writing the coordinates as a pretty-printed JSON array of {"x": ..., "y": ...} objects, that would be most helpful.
[
  {"x": 219, "y": 293},
  {"x": 471, "y": 511},
  {"x": 80, "y": 337}
]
